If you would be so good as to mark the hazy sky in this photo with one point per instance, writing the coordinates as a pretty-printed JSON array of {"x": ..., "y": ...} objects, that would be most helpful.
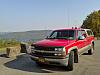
[{"x": 24, "y": 15}]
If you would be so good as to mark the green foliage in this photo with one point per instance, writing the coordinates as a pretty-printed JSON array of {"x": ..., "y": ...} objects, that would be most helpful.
[
  {"x": 8, "y": 43},
  {"x": 92, "y": 21}
]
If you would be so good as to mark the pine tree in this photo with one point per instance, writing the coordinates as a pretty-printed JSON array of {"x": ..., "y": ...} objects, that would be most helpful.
[{"x": 92, "y": 21}]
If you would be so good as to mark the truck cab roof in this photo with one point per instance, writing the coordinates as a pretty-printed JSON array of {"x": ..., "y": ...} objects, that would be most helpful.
[{"x": 73, "y": 29}]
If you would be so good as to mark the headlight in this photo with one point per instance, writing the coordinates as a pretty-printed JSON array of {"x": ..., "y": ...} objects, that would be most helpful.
[
  {"x": 61, "y": 52},
  {"x": 60, "y": 49}
]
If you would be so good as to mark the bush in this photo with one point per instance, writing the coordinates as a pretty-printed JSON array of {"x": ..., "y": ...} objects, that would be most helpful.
[{"x": 8, "y": 43}]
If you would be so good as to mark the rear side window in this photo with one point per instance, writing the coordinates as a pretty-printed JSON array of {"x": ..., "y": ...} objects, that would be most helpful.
[{"x": 89, "y": 33}]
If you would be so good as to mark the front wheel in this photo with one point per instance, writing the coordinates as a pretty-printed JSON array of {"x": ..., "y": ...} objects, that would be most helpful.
[
  {"x": 90, "y": 52},
  {"x": 71, "y": 61},
  {"x": 75, "y": 57}
]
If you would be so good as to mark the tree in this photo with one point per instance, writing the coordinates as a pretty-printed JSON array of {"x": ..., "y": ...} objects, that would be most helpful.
[{"x": 92, "y": 21}]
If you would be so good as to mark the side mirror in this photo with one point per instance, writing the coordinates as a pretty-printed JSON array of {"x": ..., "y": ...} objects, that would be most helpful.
[
  {"x": 84, "y": 35},
  {"x": 81, "y": 38}
]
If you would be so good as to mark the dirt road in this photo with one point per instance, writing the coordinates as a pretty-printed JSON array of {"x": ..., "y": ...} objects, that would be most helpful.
[{"x": 23, "y": 65}]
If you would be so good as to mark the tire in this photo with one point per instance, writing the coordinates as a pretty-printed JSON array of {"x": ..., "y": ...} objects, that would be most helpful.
[
  {"x": 90, "y": 52},
  {"x": 75, "y": 57},
  {"x": 71, "y": 61}
]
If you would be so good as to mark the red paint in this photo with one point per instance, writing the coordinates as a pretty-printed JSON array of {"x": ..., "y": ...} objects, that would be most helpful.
[
  {"x": 54, "y": 42},
  {"x": 67, "y": 43}
]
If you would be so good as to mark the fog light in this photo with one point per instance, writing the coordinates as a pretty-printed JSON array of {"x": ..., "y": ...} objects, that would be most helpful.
[
  {"x": 59, "y": 54},
  {"x": 55, "y": 54}
]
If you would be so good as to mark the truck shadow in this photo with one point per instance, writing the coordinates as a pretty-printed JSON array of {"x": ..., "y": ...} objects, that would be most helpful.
[
  {"x": 24, "y": 63},
  {"x": 3, "y": 55},
  {"x": 85, "y": 54}
]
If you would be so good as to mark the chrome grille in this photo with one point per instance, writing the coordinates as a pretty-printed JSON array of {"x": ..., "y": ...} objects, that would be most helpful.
[
  {"x": 47, "y": 52},
  {"x": 44, "y": 48}
]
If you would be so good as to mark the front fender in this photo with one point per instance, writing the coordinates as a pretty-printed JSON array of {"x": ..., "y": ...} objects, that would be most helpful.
[{"x": 72, "y": 48}]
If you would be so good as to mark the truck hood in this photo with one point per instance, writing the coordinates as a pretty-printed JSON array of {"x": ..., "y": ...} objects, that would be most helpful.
[{"x": 53, "y": 42}]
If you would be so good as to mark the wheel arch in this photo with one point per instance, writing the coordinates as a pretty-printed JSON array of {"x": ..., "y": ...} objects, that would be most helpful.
[{"x": 75, "y": 49}]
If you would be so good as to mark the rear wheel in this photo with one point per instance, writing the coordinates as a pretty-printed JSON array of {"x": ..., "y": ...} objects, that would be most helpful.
[
  {"x": 90, "y": 52},
  {"x": 71, "y": 61}
]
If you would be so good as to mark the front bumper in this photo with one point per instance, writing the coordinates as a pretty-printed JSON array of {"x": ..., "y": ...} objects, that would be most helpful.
[{"x": 51, "y": 61}]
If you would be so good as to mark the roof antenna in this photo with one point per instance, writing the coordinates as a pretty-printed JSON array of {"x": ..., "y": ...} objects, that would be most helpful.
[
  {"x": 68, "y": 21},
  {"x": 68, "y": 17}
]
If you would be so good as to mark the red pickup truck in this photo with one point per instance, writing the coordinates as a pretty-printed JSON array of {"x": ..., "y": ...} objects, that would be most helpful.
[{"x": 63, "y": 47}]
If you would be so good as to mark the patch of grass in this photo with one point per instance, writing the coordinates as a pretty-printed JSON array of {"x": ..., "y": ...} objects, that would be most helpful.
[
  {"x": 8, "y": 43},
  {"x": 2, "y": 49}
]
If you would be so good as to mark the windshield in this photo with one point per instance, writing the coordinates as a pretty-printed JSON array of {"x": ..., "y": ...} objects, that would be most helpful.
[{"x": 62, "y": 34}]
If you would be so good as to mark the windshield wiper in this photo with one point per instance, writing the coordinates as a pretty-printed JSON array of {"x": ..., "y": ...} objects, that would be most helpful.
[
  {"x": 51, "y": 38},
  {"x": 61, "y": 38},
  {"x": 58, "y": 38}
]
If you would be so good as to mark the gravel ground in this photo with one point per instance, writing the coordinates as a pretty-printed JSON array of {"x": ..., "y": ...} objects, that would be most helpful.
[{"x": 23, "y": 65}]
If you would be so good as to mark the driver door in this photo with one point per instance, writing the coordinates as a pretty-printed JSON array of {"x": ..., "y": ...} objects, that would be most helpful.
[{"x": 81, "y": 41}]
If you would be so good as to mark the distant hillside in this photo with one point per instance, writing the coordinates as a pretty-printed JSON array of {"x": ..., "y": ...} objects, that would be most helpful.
[{"x": 26, "y": 36}]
